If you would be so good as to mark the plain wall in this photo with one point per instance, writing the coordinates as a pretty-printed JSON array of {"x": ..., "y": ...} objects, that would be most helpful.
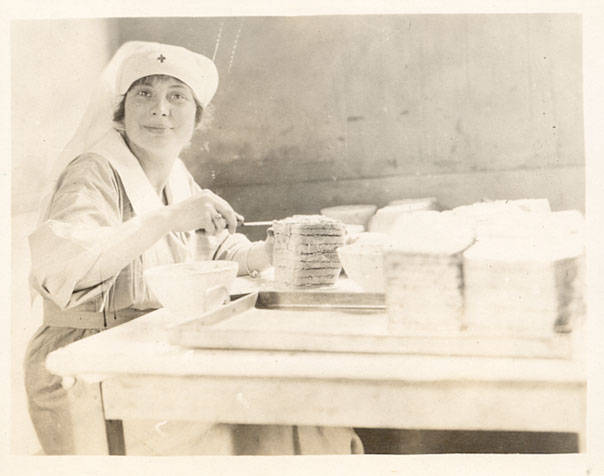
[
  {"x": 331, "y": 110},
  {"x": 53, "y": 65}
]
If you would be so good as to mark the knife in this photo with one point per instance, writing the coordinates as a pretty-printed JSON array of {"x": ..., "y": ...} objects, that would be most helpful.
[
  {"x": 221, "y": 222},
  {"x": 241, "y": 222},
  {"x": 256, "y": 223}
]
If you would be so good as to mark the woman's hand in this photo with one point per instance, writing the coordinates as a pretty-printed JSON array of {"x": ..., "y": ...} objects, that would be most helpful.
[
  {"x": 260, "y": 255},
  {"x": 204, "y": 210}
]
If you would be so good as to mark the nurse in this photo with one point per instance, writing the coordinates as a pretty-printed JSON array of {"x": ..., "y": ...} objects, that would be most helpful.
[{"x": 123, "y": 202}]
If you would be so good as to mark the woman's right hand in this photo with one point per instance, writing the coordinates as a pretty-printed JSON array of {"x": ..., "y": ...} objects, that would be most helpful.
[{"x": 204, "y": 210}]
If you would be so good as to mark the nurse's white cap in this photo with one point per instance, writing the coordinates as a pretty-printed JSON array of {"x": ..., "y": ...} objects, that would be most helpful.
[{"x": 193, "y": 69}]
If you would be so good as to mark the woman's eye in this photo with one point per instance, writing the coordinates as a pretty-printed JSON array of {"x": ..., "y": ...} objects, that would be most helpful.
[
  {"x": 143, "y": 93},
  {"x": 179, "y": 97}
]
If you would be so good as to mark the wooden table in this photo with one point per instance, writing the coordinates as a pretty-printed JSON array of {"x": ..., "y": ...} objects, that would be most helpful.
[{"x": 131, "y": 371}]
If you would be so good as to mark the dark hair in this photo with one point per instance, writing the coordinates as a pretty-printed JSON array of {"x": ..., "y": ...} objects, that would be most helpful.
[{"x": 120, "y": 110}]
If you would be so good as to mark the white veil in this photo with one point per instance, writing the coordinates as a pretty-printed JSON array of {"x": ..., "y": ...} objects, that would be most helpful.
[{"x": 98, "y": 118}]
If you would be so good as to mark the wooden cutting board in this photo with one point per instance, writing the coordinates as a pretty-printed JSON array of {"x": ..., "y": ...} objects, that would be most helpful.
[{"x": 351, "y": 330}]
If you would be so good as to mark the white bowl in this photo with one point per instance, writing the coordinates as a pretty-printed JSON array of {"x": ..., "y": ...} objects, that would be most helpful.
[
  {"x": 363, "y": 264},
  {"x": 191, "y": 289},
  {"x": 351, "y": 214}
]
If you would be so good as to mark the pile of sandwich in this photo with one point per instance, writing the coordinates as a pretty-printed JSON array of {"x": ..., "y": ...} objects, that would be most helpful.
[
  {"x": 512, "y": 266},
  {"x": 305, "y": 250},
  {"x": 423, "y": 272}
]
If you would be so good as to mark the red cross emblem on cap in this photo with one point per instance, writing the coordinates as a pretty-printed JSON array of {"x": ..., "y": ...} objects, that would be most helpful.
[{"x": 161, "y": 58}]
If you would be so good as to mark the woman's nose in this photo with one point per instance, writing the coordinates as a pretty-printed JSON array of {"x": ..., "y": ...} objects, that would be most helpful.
[{"x": 160, "y": 107}]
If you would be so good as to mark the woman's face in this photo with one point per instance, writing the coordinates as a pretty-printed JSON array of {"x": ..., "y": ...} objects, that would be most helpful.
[{"x": 160, "y": 116}]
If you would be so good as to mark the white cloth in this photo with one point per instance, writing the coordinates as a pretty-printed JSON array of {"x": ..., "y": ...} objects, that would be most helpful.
[{"x": 193, "y": 69}]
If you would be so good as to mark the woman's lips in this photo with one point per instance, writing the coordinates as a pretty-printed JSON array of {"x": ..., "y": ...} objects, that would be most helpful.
[{"x": 157, "y": 129}]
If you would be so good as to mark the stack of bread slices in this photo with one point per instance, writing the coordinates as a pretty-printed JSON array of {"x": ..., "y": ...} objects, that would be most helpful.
[
  {"x": 305, "y": 250},
  {"x": 423, "y": 272}
]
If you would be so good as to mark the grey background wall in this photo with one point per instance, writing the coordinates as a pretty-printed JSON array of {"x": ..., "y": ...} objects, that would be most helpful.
[{"x": 331, "y": 110}]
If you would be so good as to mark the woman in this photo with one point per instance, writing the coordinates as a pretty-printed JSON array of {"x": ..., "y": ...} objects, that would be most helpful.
[{"x": 123, "y": 203}]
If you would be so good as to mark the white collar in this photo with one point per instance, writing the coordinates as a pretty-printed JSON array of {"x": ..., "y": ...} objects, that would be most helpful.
[{"x": 140, "y": 192}]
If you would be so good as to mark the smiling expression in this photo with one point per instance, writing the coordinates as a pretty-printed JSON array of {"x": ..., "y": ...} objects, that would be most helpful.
[{"x": 159, "y": 115}]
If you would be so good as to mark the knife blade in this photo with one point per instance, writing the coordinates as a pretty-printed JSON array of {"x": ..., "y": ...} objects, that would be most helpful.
[
  {"x": 221, "y": 223},
  {"x": 256, "y": 223}
]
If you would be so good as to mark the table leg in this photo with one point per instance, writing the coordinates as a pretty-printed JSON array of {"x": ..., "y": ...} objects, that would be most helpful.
[
  {"x": 115, "y": 437},
  {"x": 582, "y": 433},
  {"x": 92, "y": 434},
  {"x": 582, "y": 440}
]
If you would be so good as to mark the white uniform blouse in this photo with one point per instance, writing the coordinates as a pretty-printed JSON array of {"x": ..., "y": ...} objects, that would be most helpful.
[{"x": 98, "y": 191}]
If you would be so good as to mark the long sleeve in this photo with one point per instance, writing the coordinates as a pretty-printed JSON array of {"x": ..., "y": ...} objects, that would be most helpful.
[
  {"x": 80, "y": 223},
  {"x": 236, "y": 247},
  {"x": 251, "y": 256}
]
